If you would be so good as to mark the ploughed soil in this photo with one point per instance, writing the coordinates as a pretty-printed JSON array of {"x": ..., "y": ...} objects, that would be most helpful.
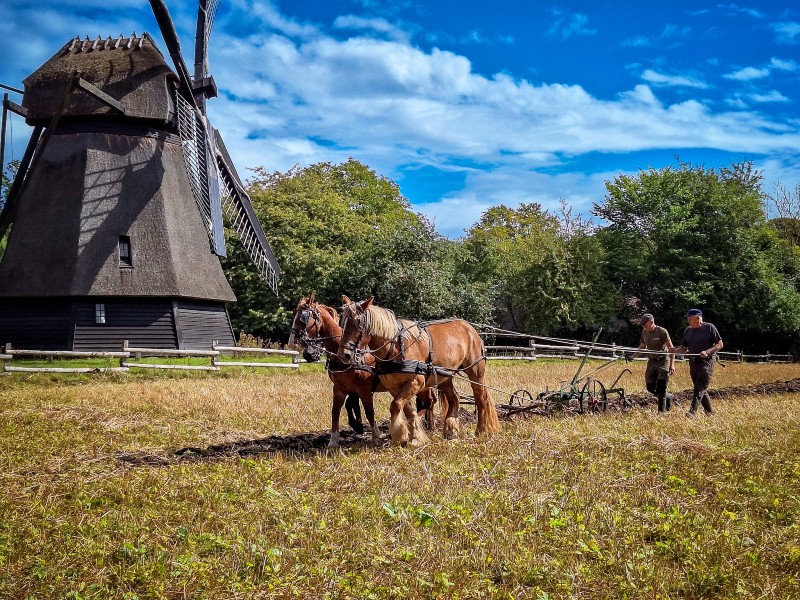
[{"x": 350, "y": 440}]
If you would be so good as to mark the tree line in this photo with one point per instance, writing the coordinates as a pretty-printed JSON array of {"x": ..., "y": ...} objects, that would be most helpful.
[{"x": 665, "y": 240}]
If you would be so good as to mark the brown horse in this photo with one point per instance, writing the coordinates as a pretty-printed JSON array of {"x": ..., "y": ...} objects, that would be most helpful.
[
  {"x": 411, "y": 357},
  {"x": 315, "y": 327}
]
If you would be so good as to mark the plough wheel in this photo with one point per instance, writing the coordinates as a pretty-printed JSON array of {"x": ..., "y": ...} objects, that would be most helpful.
[
  {"x": 593, "y": 398},
  {"x": 519, "y": 400}
]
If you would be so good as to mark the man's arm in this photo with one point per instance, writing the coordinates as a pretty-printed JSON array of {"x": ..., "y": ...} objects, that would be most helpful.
[
  {"x": 671, "y": 349},
  {"x": 713, "y": 350},
  {"x": 636, "y": 354}
]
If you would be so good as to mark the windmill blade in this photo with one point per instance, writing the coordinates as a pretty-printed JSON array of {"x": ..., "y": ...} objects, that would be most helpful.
[
  {"x": 7, "y": 214},
  {"x": 203, "y": 83},
  {"x": 242, "y": 218},
  {"x": 200, "y": 160},
  {"x": 170, "y": 36}
]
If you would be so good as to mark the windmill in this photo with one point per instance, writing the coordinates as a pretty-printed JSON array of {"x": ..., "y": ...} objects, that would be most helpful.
[{"x": 115, "y": 217}]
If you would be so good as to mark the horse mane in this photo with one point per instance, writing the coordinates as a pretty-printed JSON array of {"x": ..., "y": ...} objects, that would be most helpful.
[{"x": 381, "y": 322}]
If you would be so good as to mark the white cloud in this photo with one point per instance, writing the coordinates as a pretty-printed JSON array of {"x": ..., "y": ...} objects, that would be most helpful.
[
  {"x": 671, "y": 36},
  {"x": 747, "y": 74},
  {"x": 772, "y": 96},
  {"x": 787, "y": 32},
  {"x": 661, "y": 79},
  {"x": 379, "y": 26},
  {"x": 736, "y": 9},
  {"x": 569, "y": 24},
  {"x": 782, "y": 65}
]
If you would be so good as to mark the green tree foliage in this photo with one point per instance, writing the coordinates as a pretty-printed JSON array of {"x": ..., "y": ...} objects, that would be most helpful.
[
  {"x": 343, "y": 229},
  {"x": 689, "y": 236},
  {"x": 6, "y": 180},
  {"x": 542, "y": 272}
]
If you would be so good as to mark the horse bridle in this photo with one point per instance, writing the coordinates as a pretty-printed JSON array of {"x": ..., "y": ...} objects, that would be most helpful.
[
  {"x": 312, "y": 345},
  {"x": 350, "y": 311}
]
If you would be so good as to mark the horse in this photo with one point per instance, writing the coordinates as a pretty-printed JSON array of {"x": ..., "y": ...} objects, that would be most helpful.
[
  {"x": 316, "y": 328},
  {"x": 412, "y": 357}
]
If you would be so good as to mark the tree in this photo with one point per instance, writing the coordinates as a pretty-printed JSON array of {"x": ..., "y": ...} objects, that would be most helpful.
[
  {"x": 690, "y": 236},
  {"x": 784, "y": 206},
  {"x": 542, "y": 270},
  {"x": 343, "y": 229}
]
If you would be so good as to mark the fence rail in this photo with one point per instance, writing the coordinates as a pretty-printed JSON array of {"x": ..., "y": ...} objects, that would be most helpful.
[
  {"x": 536, "y": 351},
  {"x": 129, "y": 358}
]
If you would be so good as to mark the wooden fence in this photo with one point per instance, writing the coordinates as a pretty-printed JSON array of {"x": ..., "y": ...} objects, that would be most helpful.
[
  {"x": 536, "y": 351},
  {"x": 130, "y": 358}
]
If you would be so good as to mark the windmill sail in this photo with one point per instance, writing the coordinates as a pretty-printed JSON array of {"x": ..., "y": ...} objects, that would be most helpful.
[
  {"x": 215, "y": 184},
  {"x": 242, "y": 219},
  {"x": 198, "y": 155}
]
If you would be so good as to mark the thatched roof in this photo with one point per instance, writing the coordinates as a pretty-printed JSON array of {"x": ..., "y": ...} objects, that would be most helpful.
[
  {"x": 130, "y": 70},
  {"x": 89, "y": 189}
]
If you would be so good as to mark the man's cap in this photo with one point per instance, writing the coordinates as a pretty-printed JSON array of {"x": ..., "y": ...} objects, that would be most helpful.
[
  {"x": 646, "y": 318},
  {"x": 694, "y": 312}
]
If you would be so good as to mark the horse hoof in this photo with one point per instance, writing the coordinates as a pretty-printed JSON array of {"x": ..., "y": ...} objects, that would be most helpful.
[{"x": 451, "y": 429}]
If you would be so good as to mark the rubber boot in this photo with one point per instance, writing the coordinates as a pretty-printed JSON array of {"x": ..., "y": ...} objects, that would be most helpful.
[
  {"x": 662, "y": 404},
  {"x": 693, "y": 408}
]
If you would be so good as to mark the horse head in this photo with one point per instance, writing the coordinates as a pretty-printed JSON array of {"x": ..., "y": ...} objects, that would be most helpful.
[
  {"x": 306, "y": 324},
  {"x": 354, "y": 328}
]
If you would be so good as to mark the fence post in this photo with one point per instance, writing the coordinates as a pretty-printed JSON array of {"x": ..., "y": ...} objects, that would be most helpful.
[
  {"x": 214, "y": 345},
  {"x": 740, "y": 356}
]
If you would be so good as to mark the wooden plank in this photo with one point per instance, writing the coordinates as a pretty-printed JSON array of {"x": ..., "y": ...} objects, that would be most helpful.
[
  {"x": 69, "y": 353},
  {"x": 65, "y": 369},
  {"x": 135, "y": 365},
  {"x": 234, "y": 349},
  {"x": 225, "y": 363},
  {"x": 172, "y": 352}
]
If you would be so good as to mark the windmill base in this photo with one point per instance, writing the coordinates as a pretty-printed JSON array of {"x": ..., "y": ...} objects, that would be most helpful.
[{"x": 102, "y": 323}]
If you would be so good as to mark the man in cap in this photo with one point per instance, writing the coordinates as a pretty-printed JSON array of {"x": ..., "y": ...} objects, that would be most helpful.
[
  {"x": 701, "y": 340},
  {"x": 660, "y": 360}
]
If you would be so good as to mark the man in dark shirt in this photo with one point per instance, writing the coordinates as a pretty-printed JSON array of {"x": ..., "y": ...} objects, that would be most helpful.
[
  {"x": 701, "y": 340},
  {"x": 660, "y": 360}
]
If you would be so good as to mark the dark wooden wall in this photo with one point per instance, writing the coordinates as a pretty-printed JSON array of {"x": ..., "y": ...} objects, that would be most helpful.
[{"x": 69, "y": 323}]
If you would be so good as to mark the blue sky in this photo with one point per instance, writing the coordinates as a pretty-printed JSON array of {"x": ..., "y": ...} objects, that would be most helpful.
[{"x": 467, "y": 105}]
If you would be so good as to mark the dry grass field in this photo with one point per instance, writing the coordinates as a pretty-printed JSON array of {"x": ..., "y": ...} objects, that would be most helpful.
[{"x": 618, "y": 505}]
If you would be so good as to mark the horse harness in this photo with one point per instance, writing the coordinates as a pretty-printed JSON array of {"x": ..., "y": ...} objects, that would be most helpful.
[{"x": 400, "y": 364}]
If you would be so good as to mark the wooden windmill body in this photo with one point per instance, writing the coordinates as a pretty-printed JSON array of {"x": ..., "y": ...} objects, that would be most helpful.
[{"x": 116, "y": 214}]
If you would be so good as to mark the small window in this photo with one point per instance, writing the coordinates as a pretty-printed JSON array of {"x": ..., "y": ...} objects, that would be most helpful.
[
  {"x": 100, "y": 313},
  {"x": 125, "y": 255}
]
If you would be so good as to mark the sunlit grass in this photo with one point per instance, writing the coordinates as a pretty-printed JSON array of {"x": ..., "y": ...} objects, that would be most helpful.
[{"x": 616, "y": 505}]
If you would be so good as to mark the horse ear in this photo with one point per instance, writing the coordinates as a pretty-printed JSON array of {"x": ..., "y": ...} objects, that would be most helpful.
[
  {"x": 367, "y": 303},
  {"x": 345, "y": 300},
  {"x": 311, "y": 299}
]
